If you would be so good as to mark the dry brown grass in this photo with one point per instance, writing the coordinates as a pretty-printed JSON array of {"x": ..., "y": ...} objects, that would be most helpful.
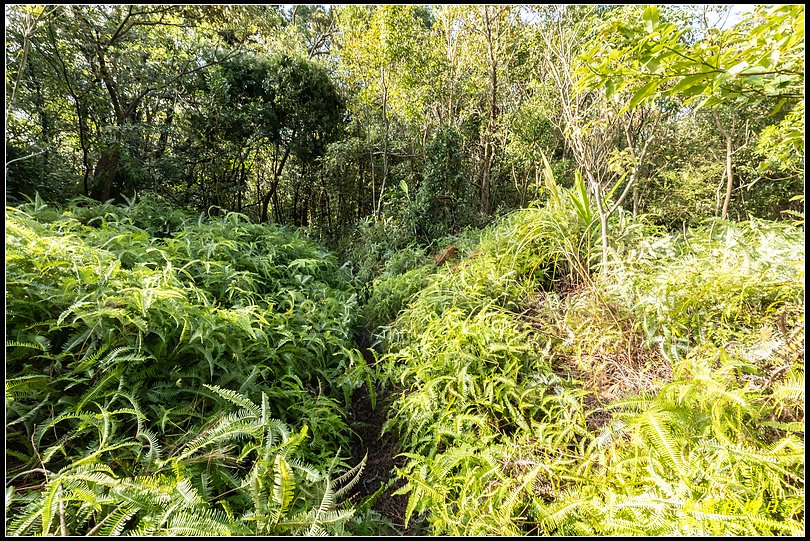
[{"x": 600, "y": 346}]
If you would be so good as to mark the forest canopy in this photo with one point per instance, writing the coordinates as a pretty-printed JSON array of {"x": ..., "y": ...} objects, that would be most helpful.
[{"x": 321, "y": 116}]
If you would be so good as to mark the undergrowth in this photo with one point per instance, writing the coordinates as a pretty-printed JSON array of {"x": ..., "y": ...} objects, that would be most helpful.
[
  {"x": 170, "y": 373},
  {"x": 174, "y": 374},
  {"x": 540, "y": 394}
]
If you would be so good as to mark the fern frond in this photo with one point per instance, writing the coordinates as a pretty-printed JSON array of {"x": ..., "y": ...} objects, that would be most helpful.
[
  {"x": 517, "y": 492},
  {"x": 237, "y": 399},
  {"x": 283, "y": 488},
  {"x": 312, "y": 474},
  {"x": 115, "y": 522},
  {"x": 791, "y": 389},
  {"x": 555, "y": 516},
  {"x": 199, "y": 523},
  {"x": 655, "y": 425},
  {"x": 350, "y": 478},
  {"x": 240, "y": 424},
  {"x": 44, "y": 346},
  {"x": 23, "y": 523},
  {"x": 155, "y": 449},
  {"x": 794, "y": 426}
]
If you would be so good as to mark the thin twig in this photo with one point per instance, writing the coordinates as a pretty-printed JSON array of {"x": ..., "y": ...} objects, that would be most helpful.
[
  {"x": 25, "y": 157},
  {"x": 62, "y": 525},
  {"x": 34, "y": 446},
  {"x": 35, "y": 470},
  {"x": 775, "y": 373},
  {"x": 98, "y": 526}
]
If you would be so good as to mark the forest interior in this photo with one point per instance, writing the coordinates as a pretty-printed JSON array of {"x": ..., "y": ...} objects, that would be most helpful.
[{"x": 384, "y": 270}]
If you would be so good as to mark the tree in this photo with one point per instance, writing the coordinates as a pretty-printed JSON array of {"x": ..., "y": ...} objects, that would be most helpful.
[
  {"x": 444, "y": 201},
  {"x": 760, "y": 59},
  {"x": 383, "y": 52},
  {"x": 581, "y": 116},
  {"x": 114, "y": 72},
  {"x": 253, "y": 101}
]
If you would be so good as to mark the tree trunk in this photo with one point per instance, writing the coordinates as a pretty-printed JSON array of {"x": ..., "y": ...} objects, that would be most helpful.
[
  {"x": 81, "y": 115},
  {"x": 271, "y": 195},
  {"x": 385, "y": 141},
  {"x": 729, "y": 178},
  {"x": 106, "y": 173},
  {"x": 266, "y": 202},
  {"x": 303, "y": 212},
  {"x": 729, "y": 172},
  {"x": 360, "y": 190},
  {"x": 603, "y": 217},
  {"x": 163, "y": 140},
  {"x": 489, "y": 154},
  {"x": 371, "y": 162},
  {"x": 125, "y": 116},
  {"x": 85, "y": 149},
  {"x": 295, "y": 216},
  {"x": 44, "y": 121}
]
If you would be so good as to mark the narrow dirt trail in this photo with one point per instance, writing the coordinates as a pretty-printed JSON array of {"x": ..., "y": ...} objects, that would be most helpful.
[{"x": 382, "y": 455}]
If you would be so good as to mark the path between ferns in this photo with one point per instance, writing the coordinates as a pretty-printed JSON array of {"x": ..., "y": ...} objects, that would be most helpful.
[{"x": 382, "y": 451}]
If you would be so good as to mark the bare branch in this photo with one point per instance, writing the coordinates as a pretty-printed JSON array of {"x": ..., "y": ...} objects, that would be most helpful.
[{"x": 26, "y": 157}]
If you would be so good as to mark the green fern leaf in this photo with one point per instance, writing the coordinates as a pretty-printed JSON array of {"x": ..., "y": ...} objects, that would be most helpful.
[{"x": 283, "y": 487}]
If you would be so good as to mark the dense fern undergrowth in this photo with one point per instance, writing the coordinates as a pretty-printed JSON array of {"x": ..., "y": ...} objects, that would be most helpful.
[
  {"x": 662, "y": 395},
  {"x": 175, "y": 374}
]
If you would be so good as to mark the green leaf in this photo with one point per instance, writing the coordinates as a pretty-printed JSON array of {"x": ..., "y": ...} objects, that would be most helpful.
[
  {"x": 689, "y": 82},
  {"x": 735, "y": 70},
  {"x": 9, "y": 497},
  {"x": 650, "y": 18},
  {"x": 643, "y": 93},
  {"x": 283, "y": 487},
  {"x": 610, "y": 88},
  {"x": 652, "y": 64}
]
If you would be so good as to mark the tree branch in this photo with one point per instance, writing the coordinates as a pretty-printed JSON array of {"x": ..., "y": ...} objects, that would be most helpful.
[{"x": 26, "y": 157}]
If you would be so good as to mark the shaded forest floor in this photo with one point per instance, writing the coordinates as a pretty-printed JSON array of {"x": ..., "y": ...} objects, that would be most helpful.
[{"x": 382, "y": 451}]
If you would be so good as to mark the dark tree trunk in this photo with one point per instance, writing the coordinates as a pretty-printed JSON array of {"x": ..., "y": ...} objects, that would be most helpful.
[
  {"x": 106, "y": 176},
  {"x": 272, "y": 194},
  {"x": 164, "y": 133}
]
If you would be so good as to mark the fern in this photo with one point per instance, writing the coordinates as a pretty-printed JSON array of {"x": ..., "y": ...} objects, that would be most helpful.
[
  {"x": 114, "y": 335},
  {"x": 197, "y": 383}
]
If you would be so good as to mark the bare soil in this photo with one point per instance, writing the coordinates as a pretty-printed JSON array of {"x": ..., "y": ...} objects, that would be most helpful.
[{"x": 382, "y": 452}]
